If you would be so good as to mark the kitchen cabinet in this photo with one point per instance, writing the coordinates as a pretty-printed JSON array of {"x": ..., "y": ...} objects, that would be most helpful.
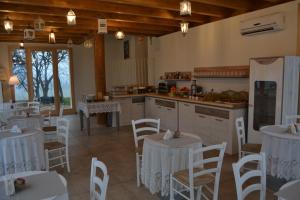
[
  {"x": 166, "y": 111},
  {"x": 137, "y": 108},
  {"x": 149, "y": 106},
  {"x": 187, "y": 117}
]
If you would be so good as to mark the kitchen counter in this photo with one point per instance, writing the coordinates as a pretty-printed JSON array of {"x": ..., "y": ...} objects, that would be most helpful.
[{"x": 227, "y": 105}]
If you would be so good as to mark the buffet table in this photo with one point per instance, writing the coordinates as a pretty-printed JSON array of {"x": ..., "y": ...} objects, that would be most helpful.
[
  {"x": 39, "y": 185},
  {"x": 282, "y": 152},
  {"x": 163, "y": 157},
  {"x": 92, "y": 108},
  {"x": 21, "y": 151}
]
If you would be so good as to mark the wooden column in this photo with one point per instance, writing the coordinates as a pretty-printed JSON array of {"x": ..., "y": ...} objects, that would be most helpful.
[{"x": 100, "y": 82}]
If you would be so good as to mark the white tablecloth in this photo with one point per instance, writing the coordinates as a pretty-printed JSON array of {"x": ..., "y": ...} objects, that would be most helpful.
[
  {"x": 21, "y": 152},
  {"x": 161, "y": 158},
  {"x": 31, "y": 122},
  {"x": 282, "y": 152},
  {"x": 45, "y": 185},
  {"x": 99, "y": 107}
]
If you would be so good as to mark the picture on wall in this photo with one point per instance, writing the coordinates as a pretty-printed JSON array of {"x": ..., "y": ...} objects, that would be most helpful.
[{"x": 126, "y": 49}]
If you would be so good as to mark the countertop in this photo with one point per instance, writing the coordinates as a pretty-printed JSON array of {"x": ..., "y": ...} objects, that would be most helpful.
[{"x": 227, "y": 105}]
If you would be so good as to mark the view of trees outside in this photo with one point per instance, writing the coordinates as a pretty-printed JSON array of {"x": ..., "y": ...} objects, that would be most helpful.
[
  {"x": 19, "y": 69},
  {"x": 42, "y": 74}
]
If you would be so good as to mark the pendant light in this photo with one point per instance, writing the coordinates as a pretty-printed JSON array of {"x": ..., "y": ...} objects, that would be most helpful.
[
  {"x": 8, "y": 25},
  {"x": 39, "y": 24},
  {"x": 184, "y": 27},
  {"x": 120, "y": 35},
  {"x": 29, "y": 33},
  {"x": 185, "y": 8},
  {"x": 51, "y": 37},
  {"x": 71, "y": 18},
  {"x": 21, "y": 45},
  {"x": 69, "y": 43},
  {"x": 88, "y": 43}
]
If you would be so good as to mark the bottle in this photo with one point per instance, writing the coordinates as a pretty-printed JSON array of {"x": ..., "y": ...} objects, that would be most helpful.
[{"x": 193, "y": 88}]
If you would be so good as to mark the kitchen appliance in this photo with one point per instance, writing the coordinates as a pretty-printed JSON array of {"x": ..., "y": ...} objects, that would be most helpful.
[
  {"x": 164, "y": 87},
  {"x": 273, "y": 92}
]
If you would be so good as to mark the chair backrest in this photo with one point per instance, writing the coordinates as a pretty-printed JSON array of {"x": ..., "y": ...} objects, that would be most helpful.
[
  {"x": 95, "y": 181},
  {"x": 136, "y": 131},
  {"x": 214, "y": 169},
  {"x": 35, "y": 106},
  {"x": 291, "y": 119},
  {"x": 62, "y": 129},
  {"x": 260, "y": 172},
  {"x": 240, "y": 132},
  {"x": 61, "y": 110}
]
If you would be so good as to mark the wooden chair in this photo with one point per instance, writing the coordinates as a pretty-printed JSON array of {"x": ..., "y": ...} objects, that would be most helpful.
[
  {"x": 198, "y": 176},
  {"x": 60, "y": 146},
  {"x": 34, "y": 107},
  {"x": 139, "y": 138},
  {"x": 95, "y": 181},
  {"x": 240, "y": 179},
  {"x": 289, "y": 119},
  {"x": 50, "y": 129},
  {"x": 244, "y": 148}
]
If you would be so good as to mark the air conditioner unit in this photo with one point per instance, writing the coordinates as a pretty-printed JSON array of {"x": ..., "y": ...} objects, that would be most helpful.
[{"x": 269, "y": 23}]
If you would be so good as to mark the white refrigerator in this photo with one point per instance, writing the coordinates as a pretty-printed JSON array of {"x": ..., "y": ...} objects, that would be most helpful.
[{"x": 273, "y": 92}]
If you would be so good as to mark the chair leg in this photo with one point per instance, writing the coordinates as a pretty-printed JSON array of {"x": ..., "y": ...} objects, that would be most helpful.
[
  {"x": 47, "y": 159},
  {"x": 192, "y": 194},
  {"x": 171, "y": 188},
  {"x": 138, "y": 173},
  {"x": 199, "y": 193},
  {"x": 67, "y": 159},
  {"x": 61, "y": 159}
]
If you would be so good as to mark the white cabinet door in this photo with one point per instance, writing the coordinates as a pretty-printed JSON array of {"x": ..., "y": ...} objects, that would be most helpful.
[
  {"x": 219, "y": 130},
  {"x": 170, "y": 118},
  {"x": 149, "y": 106},
  {"x": 137, "y": 111},
  {"x": 125, "y": 115},
  {"x": 186, "y": 116},
  {"x": 203, "y": 128}
]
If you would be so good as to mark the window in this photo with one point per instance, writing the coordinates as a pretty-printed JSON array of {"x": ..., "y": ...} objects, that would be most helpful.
[{"x": 45, "y": 76}]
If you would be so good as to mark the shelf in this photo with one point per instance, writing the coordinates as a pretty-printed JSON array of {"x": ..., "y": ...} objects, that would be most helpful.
[
  {"x": 177, "y": 76},
  {"x": 177, "y": 79},
  {"x": 222, "y": 72}
]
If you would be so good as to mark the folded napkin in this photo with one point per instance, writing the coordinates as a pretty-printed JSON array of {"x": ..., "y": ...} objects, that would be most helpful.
[
  {"x": 168, "y": 135},
  {"x": 15, "y": 129}
]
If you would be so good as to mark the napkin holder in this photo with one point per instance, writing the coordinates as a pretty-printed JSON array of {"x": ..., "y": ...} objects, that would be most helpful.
[{"x": 168, "y": 135}]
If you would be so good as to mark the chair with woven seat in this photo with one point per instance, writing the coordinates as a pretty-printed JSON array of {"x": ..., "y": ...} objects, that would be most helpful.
[
  {"x": 199, "y": 175},
  {"x": 51, "y": 129},
  {"x": 258, "y": 176},
  {"x": 244, "y": 148},
  {"x": 97, "y": 182},
  {"x": 60, "y": 146},
  {"x": 148, "y": 125}
]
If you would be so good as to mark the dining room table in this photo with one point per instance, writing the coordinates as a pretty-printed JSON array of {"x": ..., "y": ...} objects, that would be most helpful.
[
  {"x": 163, "y": 157},
  {"x": 21, "y": 151},
  {"x": 38, "y": 185},
  {"x": 32, "y": 121},
  {"x": 282, "y": 151}
]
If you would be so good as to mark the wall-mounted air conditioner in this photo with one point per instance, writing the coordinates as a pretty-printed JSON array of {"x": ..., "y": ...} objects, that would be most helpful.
[{"x": 269, "y": 23}]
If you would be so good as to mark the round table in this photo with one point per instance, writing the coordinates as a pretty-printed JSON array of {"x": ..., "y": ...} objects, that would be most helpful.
[
  {"x": 163, "y": 157},
  {"x": 21, "y": 152},
  {"x": 43, "y": 185},
  {"x": 282, "y": 152},
  {"x": 31, "y": 122}
]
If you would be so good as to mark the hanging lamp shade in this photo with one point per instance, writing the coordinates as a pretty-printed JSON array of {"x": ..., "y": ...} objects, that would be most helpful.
[
  {"x": 39, "y": 24},
  {"x": 185, "y": 8},
  {"x": 120, "y": 35},
  {"x": 184, "y": 27},
  {"x": 29, "y": 34},
  {"x": 71, "y": 18},
  {"x": 8, "y": 25},
  {"x": 51, "y": 37},
  {"x": 13, "y": 80}
]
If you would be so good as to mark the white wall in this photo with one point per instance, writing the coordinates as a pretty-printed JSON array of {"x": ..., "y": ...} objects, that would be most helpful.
[{"x": 221, "y": 44}]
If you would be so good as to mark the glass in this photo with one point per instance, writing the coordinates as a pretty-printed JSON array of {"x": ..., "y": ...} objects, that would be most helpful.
[
  {"x": 64, "y": 78},
  {"x": 42, "y": 75},
  {"x": 264, "y": 104}
]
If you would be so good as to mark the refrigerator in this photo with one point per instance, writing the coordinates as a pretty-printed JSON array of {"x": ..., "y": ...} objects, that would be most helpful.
[{"x": 273, "y": 92}]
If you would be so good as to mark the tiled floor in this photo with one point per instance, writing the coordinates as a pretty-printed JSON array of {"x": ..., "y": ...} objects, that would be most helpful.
[{"x": 116, "y": 150}]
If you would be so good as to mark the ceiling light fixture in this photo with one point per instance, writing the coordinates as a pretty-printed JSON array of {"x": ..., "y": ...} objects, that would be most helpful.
[
  {"x": 70, "y": 43},
  {"x": 185, "y": 8},
  {"x": 8, "y": 25},
  {"x": 184, "y": 26},
  {"x": 88, "y": 43},
  {"x": 120, "y": 35},
  {"x": 51, "y": 37},
  {"x": 71, "y": 18},
  {"x": 21, "y": 45},
  {"x": 39, "y": 24}
]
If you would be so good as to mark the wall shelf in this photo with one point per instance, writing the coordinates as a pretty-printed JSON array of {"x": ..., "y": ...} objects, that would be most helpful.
[
  {"x": 177, "y": 76},
  {"x": 222, "y": 72}
]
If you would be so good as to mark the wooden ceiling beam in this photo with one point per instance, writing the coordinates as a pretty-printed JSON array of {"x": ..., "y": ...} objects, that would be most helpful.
[
  {"x": 105, "y": 7},
  {"x": 233, "y": 4}
]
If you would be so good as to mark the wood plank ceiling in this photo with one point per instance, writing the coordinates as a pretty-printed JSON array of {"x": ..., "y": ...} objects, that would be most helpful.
[{"x": 135, "y": 17}]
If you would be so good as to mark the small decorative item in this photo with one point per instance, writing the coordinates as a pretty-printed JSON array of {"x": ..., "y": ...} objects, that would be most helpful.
[
  {"x": 39, "y": 24},
  {"x": 120, "y": 35},
  {"x": 102, "y": 26},
  {"x": 185, "y": 8},
  {"x": 126, "y": 49},
  {"x": 168, "y": 135},
  {"x": 292, "y": 129},
  {"x": 8, "y": 25},
  {"x": 29, "y": 34},
  {"x": 20, "y": 184},
  {"x": 51, "y": 38},
  {"x": 177, "y": 134},
  {"x": 71, "y": 18}
]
